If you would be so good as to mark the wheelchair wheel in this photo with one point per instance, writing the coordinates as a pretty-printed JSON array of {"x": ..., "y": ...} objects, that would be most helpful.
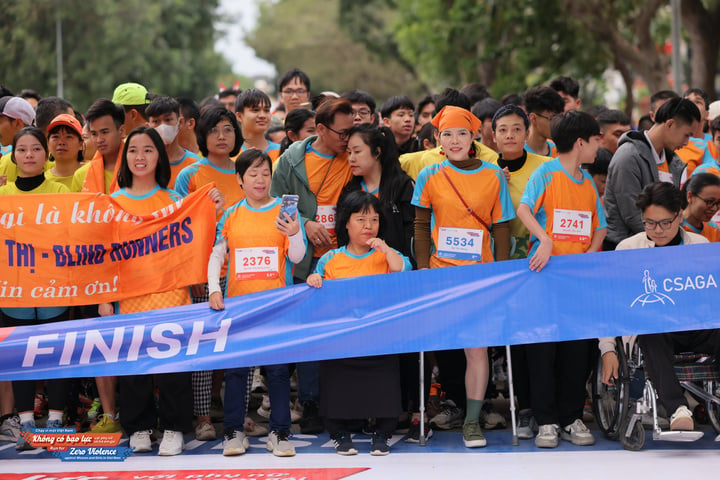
[
  {"x": 636, "y": 439},
  {"x": 610, "y": 402},
  {"x": 713, "y": 410}
]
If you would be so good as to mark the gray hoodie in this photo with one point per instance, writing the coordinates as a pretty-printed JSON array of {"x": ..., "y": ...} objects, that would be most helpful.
[{"x": 631, "y": 169}]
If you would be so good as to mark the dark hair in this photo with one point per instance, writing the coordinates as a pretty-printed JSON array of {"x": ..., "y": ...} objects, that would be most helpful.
[
  {"x": 104, "y": 107},
  {"x": 188, "y": 108},
  {"x": 382, "y": 143},
  {"x": 326, "y": 112},
  {"x": 49, "y": 108},
  {"x": 514, "y": 98},
  {"x": 611, "y": 117},
  {"x": 428, "y": 99},
  {"x": 162, "y": 105},
  {"x": 211, "y": 117},
  {"x": 5, "y": 91},
  {"x": 360, "y": 96},
  {"x": 661, "y": 95},
  {"x": 715, "y": 125},
  {"x": 645, "y": 122},
  {"x": 700, "y": 92},
  {"x": 596, "y": 110},
  {"x": 510, "y": 109},
  {"x": 662, "y": 194},
  {"x": 475, "y": 92},
  {"x": 567, "y": 85},
  {"x": 251, "y": 98},
  {"x": 396, "y": 103},
  {"x": 358, "y": 201},
  {"x": 248, "y": 158},
  {"x": 294, "y": 122},
  {"x": 29, "y": 93},
  {"x": 35, "y": 132},
  {"x": 601, "y": 163},
  {"x": 451, "y": 96},
  {"x": 273, "y": 129},
  {"x": 486, "y": 108},
  {"x": 288, "y": 76},
  {"x": 162, "y": 171},
  {"x": 65, "y": 128},
  {"x": 427, "y": 132},
  {"x": 280, "y": 108},
  {"x": 566, "y": 128},
  {"x": 698, "y": 182},
  {"x": 227, "y": 92},
  {"x": 209, "y": 102},
  {"x": 680, "y": 109},
  {"x": 542, "y": 99}
]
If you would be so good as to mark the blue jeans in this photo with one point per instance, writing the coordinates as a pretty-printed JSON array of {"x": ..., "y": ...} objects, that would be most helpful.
[{"x": 278, "y": 381}]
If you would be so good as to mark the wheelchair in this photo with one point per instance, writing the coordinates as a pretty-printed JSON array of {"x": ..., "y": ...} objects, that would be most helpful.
[{"x": 619, "y": 408}]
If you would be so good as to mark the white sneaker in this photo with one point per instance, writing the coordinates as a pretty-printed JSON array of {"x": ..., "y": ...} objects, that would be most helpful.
[
  {"x": 10, "y": 429},
  {"x": 577, "y": 434},
  {"x": 235, "y": 443},
  {"x": 140, "y": 441},
  {"x": 682, "y": 419},
  {"x": 252, "y": 429},
  {"x": 264, "y": 408},
  {"x": 279, "y": 444},
  {"x": 547, "y": 436},
  {"x": 258, "y": 382},
  {"x": 172, "y": 443}
]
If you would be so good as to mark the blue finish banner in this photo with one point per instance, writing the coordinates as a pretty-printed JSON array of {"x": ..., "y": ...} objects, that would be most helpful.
[{"x": 574, "y": 297}]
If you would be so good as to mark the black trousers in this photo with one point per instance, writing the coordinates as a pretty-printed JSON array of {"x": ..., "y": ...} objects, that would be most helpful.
[
  {"x": 557, "y": 376},
  {"x": 658, "y": 350},
  {"x": 521, "y": 378},
  {"x": 137, "y": 402},
  {"x": 385, "y": 426},
  {"x": 452, "y": 365}
]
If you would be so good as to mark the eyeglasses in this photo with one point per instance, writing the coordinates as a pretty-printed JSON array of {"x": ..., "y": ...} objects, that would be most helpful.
[
  {"x": 709, "y": 203},
  {"x": 362, "y": 113},
  {"x": 546, "y": 117},
  {"x": 343, "y": 135},
  {"x": 290, "y": 92},
  {"x": 226, "y": 130},
  {"x": 664, "y": 224}
]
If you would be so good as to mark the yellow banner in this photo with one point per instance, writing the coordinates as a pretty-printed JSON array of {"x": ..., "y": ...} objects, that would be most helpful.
[{"x": 84, "y": 249}]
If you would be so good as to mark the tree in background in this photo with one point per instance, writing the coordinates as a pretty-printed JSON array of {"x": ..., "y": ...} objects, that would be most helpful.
[
  {"x": 167, "y": 45},
  {"x": 306, "y": 34}
]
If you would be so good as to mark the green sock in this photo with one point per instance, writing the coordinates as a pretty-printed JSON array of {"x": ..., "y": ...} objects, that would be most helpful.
[{"x": 473, "y": 410}]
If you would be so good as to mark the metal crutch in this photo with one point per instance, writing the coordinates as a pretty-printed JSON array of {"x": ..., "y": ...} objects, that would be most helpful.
[
  {"x": 515, "y": 441},
  {"x": 422, "y": 399}
]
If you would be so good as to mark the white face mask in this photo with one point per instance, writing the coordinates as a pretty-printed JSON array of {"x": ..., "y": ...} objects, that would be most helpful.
[{"x": 168, "y": 132}]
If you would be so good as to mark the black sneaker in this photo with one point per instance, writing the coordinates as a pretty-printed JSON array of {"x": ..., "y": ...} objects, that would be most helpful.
[
  {"x": 311, "y": 423},
  {"x": 379, "y": 446},
  {"x": 344, "y": 444},
  {"x": 413, "y": 435}
]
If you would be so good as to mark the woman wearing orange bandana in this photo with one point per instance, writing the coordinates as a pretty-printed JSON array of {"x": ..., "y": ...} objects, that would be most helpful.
[{"x": 460, "y": 203}]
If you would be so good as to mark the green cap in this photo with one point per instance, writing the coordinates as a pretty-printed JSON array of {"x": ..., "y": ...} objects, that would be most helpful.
[{"x": 130, "y": 94}]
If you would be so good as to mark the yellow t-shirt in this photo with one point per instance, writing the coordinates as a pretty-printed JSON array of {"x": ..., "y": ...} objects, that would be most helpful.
[
  {"x": 79, "y": 178},
  {"x": 9, "y": 169},
  {"x": 518, "y": 181},
  {"x": 67, "y": 181},
  {"x": 46, "y": 187},
  {"x": 413, "y": 163}
]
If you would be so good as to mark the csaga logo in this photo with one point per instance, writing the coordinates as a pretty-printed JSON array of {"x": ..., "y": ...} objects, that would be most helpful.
[{"x": 670, "y": 285}]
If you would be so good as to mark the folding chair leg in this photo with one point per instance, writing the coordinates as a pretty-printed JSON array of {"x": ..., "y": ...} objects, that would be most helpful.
[
  {"x": 422, "y": 399},
  {"x": 515, "y": 441}
]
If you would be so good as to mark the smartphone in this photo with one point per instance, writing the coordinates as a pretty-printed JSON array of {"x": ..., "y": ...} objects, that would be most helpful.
[{"x": 288, "y": 204}]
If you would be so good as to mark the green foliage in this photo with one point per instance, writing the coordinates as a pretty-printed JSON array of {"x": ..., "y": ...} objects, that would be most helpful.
[
  {"x": 306, "y": 34},
  {"x": 167, "y": 45}
]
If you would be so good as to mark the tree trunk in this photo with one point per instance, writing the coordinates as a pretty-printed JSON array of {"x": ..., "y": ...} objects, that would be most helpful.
[{"x": 701, "y": 27}]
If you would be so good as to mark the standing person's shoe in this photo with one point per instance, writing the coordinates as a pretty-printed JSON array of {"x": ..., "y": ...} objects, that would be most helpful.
[
  {"x": 10, "y": 429},
  {"x": 279, "y": 444},
  {"x": 490, "y": 418},
  {"x": 344, "y": 444},
  {"x": 449, "y": 417},
  {"x": 264, "y": 408},
  {"x": 413, "y": 435},
  {"x": 577, "y": 434},
  {"x": 172, "y": 443},
  {"x": 682, "y": 419},
  {"x": 379, "y": 446},
  {"x": 527, "y": 427},
  {"x": 235, "y": 443},
  {"x": 106, "y": 424},
  {"x": 140, "y": 441},
  {"x": 54, "y": 424},
  {"x": 22, "y": 444},
  {"x": 473, "y": 436},
  {"x": 547, "y": 436},
  {"x": 252, "y": 429},
  {"x": 311, "y": 423},
  {"x": 204, "y": 431},
  {"x": 94, "y": 409},
  {"x": 40, "y": 406}
]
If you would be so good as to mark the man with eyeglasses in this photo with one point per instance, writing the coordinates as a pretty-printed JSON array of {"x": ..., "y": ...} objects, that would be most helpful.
[
  {"x": 643, "y": 158},
  {"x": 316, "y": 169},
  {"x": 294, "y": 88},
  {"x": 363, "y": 106},
  {"x": 542, "y": 104}
]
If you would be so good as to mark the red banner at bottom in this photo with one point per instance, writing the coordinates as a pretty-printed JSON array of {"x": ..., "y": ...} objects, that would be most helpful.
[{"x": 244, "y": 474}]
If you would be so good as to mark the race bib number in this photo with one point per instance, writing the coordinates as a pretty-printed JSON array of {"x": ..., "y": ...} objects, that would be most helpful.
[
  {"x": 571, "y": 225},
  {"x": 325, "y": 216},
  {"x": 665, "y": 176},
  {"x": 460, "y": 243},
  {"x": 259, "y": 263}
]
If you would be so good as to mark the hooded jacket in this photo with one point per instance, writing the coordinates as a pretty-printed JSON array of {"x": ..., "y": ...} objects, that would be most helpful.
[{"x": 631, "y": 169}]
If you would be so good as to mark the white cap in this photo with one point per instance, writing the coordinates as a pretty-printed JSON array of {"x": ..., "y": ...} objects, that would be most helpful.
[
  {"x": 714, "y": 110},
  {"x": 20, "y": 109}
]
